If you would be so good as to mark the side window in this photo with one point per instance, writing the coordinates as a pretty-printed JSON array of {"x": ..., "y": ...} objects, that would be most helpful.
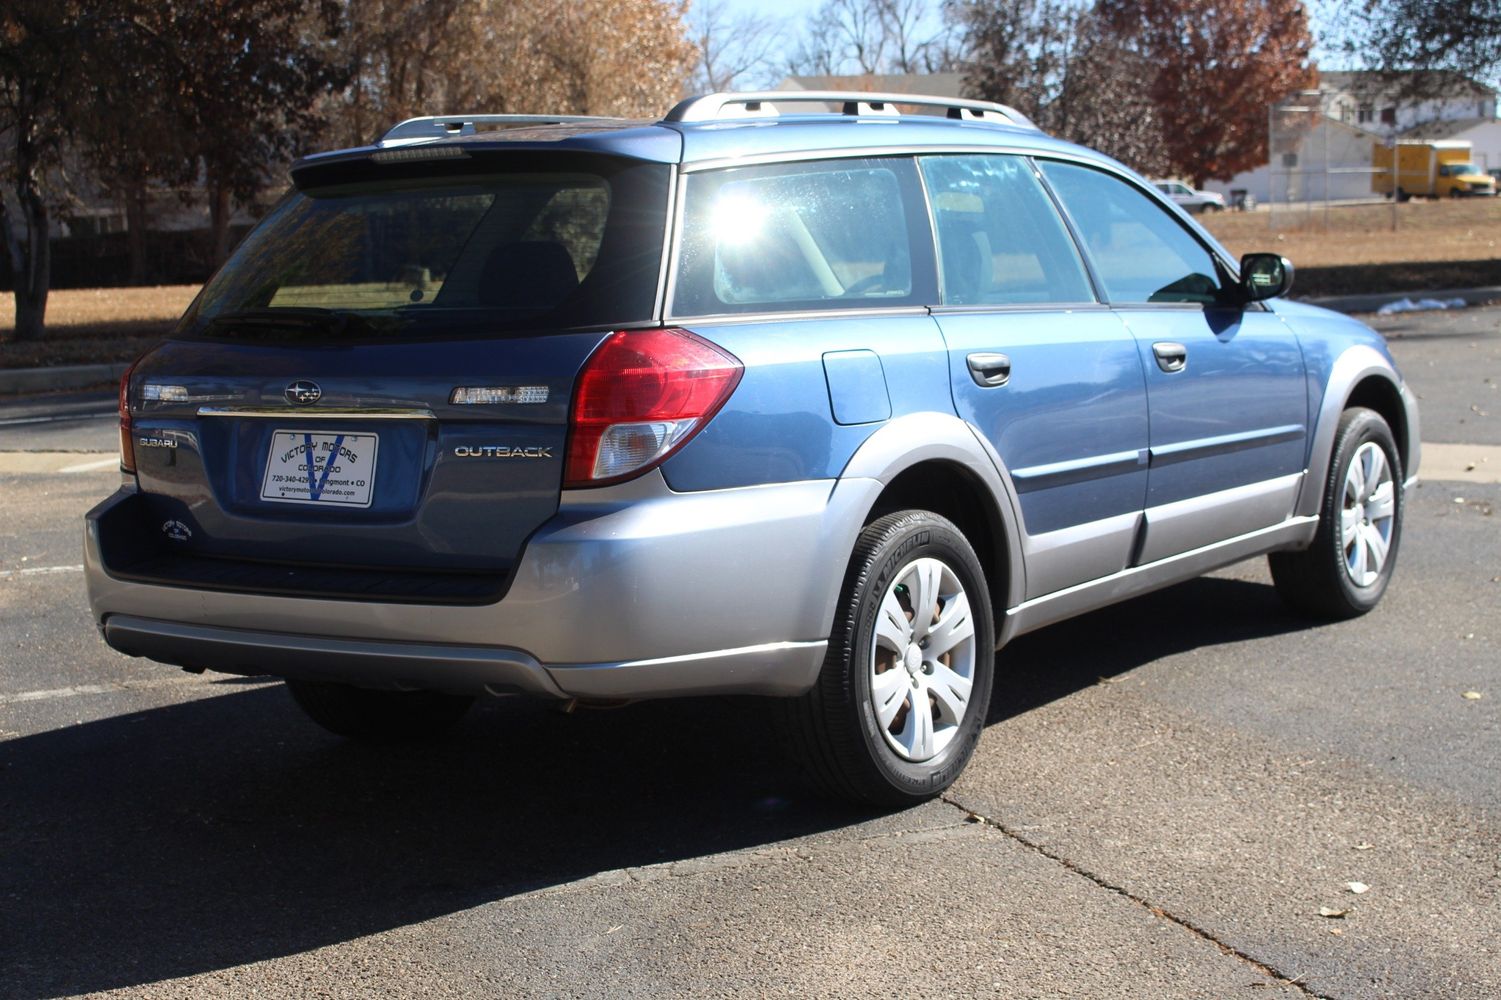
[
  {"x": 1000, "y": 240},
  {"x": 1140, "y": 252},
  {"x": 838, "y": 234}
]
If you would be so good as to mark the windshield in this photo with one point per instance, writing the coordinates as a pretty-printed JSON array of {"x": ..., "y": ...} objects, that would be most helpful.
[
  {"x": 1460, "y": 169},
  {"x": 513, "y": 249}
]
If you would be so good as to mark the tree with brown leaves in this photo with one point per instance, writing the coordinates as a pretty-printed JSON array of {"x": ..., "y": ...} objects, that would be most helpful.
[{"x": 1214, "y": 67}]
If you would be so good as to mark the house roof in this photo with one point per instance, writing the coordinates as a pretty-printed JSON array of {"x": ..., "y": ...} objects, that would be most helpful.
[
  {"x": 1439, "y": 83},
  {"x": 931, "y": 84}
]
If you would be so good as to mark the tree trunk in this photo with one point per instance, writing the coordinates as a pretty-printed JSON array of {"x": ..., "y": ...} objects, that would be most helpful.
[
  {"x": 135, "y": 225},
  {"x": 219, "y": 211},
  {"x": 30, "y": 253}
]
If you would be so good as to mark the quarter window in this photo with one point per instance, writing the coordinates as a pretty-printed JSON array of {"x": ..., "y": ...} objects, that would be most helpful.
[
  {"x": 822, "y": 235},
  {"x": 1000, "y": 240},
  {"x": 1139, "y": 251}
]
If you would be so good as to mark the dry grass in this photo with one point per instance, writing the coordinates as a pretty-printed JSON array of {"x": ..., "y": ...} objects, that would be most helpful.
[
  {"x": 1466, "y": 230},
  {"x": 94, "y": 325}
]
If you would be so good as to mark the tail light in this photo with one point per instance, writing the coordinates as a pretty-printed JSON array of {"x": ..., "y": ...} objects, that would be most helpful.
[
  {"x": 642, "y": 395},
  {"x": 127, "y": 441}
]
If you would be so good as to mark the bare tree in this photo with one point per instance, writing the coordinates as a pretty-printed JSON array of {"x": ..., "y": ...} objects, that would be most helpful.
[
  {"x": 869, "y": 37},
  {"x": 1419, "y": 48},
  {"x": 735, "y": 50},
  {"x": 1059, "y": 63}
]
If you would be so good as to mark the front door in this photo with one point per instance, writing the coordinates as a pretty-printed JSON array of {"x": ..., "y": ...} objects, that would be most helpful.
[{"x": 1225, "y": 381}]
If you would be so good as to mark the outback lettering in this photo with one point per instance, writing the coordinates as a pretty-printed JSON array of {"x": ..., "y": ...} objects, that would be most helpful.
[{"x": 501, "y": 451}]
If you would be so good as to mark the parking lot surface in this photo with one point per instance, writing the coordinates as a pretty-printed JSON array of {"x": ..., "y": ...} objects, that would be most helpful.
[{"x": 1194, "y": 794}]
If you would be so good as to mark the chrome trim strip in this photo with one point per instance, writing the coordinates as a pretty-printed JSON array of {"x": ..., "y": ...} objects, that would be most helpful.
[
  {"x": 1012, "y": 308},
  {"x": 1224, "y": 444},
  {"x": 781, "y": 317},
  {"x": 320, "y": 413},
  {"x": 1078, "y": 470}
]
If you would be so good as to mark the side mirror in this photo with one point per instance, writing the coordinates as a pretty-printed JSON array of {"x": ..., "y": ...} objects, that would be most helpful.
[{"x": 1265, "y": 276}]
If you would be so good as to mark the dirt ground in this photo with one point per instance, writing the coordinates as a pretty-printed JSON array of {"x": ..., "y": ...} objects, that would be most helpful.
[{"x": 1459, "y": 230}]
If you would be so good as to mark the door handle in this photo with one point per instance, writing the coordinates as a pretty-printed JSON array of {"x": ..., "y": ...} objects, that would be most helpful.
[
  {"x": 1171, "y": 357},
  {"x": 989, "y": 370}
]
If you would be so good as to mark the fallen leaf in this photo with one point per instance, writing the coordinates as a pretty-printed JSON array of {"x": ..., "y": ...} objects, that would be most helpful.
[
  {"x": 1336, "y": 931},
  {"x": 1472, "y": 696},
  {"x": 1364, "y": 846},
  {"x": 1332, "y": 913},
  {"x": 1357, "y": 887}
]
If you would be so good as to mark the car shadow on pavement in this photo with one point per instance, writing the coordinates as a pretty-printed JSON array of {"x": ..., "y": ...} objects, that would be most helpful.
[
  {"x": 227, "y": 829},
  {"x": 1051, "y": 663}
]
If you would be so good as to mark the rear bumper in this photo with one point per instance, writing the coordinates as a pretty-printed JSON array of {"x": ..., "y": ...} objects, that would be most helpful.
[
  {"x": 629, "y": 592},
  {"x": 775, "y": 668}
]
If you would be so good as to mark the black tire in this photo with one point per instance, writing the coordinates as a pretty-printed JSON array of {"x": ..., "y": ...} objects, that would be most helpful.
[
  {"x": 378, "y": 716},
  {"x": 835, "y": 729},
  {"x": 1316, "y": 580}
]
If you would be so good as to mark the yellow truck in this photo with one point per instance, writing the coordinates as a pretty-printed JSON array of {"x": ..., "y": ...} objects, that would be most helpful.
[{"x": 1437, "y": 169}]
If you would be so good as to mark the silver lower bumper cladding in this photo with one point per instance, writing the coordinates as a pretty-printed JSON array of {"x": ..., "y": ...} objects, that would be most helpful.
[{"x": 786, "y": 668}]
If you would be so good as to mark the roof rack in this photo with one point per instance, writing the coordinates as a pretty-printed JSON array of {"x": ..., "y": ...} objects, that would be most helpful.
[
  {"x": 448, "y": 126},
  {"x": 764, "y": 104}
]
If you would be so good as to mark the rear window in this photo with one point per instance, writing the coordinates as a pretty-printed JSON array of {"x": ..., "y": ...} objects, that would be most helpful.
[{"x": 512, "y": 249}]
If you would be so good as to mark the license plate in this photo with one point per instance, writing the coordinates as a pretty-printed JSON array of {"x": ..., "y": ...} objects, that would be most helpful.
[{"x": 320, "y": 467}]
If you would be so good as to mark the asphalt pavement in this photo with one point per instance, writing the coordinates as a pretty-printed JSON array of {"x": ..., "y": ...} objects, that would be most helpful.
[{"x": 1167, "y": 796}]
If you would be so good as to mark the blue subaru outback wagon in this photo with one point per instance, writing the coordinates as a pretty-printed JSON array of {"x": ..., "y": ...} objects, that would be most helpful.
[{"x": 819, "y": 396}]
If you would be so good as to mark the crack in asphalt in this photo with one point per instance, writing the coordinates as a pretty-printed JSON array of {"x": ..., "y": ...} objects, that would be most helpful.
[{"x": 1270, "y": 971}]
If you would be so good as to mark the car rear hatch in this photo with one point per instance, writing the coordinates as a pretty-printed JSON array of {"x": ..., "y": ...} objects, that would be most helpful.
[{"x": 371, "y": 399}]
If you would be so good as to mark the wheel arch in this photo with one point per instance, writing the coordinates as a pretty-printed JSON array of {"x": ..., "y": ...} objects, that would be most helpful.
[
  {"x": 937, "y": 462},
  {"x": 1362, "y": 376}
]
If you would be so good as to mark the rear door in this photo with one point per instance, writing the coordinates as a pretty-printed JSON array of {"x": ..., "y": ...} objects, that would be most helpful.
[
  {"x": 1047, "y": 374},
  {"x": 1225, "y": 381},
  {"x": 376, "y": 387}
]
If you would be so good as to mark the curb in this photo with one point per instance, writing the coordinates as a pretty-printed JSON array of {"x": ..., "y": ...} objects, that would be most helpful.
[
  {"x": 14, "y": 381},
  {"x": 1370, "y": 303}
]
